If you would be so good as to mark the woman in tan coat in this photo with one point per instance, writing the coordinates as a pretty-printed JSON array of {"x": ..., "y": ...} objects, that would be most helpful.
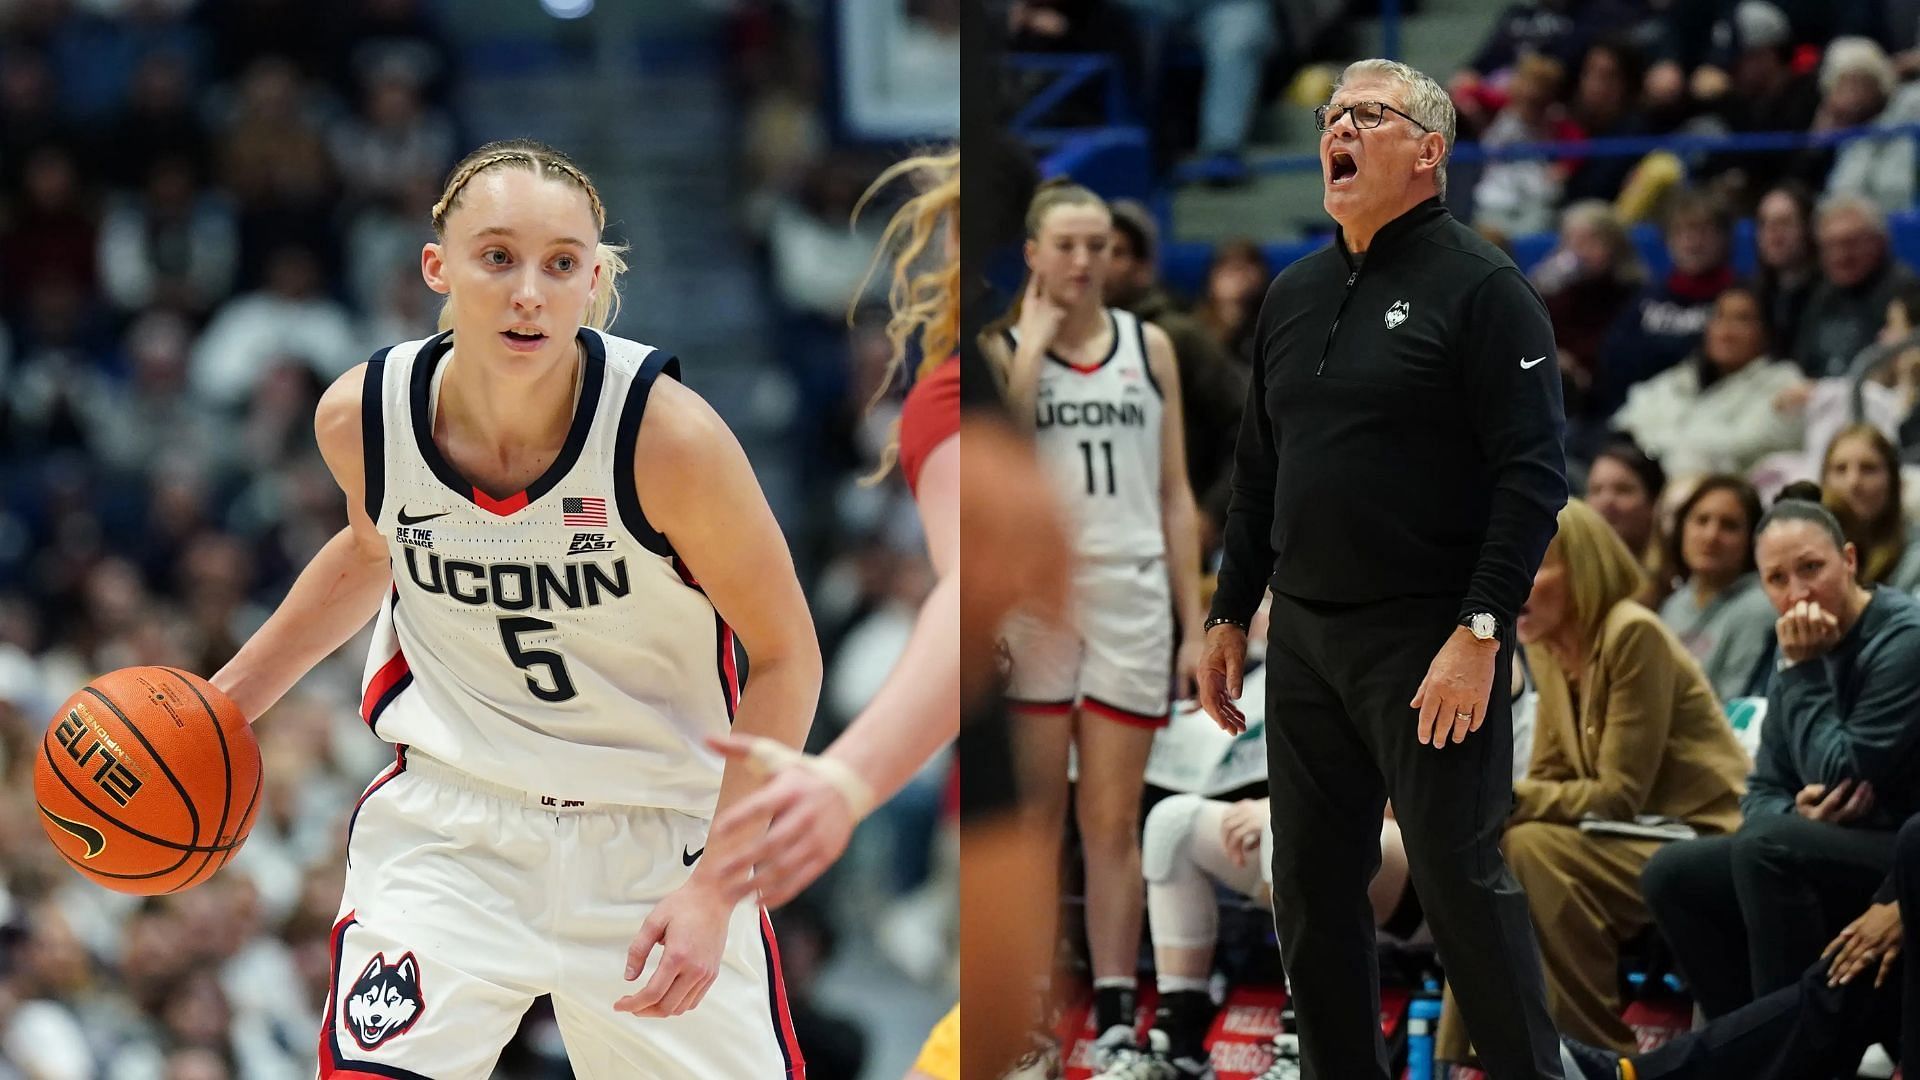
[{"x": 1627, "y": 726}]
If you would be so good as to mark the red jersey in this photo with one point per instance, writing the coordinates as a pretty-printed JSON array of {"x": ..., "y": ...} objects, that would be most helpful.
[{"x": 930, "y": 417}]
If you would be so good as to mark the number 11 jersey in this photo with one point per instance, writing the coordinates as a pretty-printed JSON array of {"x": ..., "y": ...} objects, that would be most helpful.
[
  {"x": 551, "y": 641},
  {"x": 1097, "y": 432}
]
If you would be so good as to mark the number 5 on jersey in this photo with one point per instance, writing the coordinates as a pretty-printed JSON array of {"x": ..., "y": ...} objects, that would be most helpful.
[{"x": 527, "y": 660}]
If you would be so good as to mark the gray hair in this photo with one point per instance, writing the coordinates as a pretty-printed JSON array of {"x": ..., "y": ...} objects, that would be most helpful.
[
  {"x": 1858, "y": 56},
  {"x": 1425, "y": 100},
  {"x": 1870, "y": 211}
]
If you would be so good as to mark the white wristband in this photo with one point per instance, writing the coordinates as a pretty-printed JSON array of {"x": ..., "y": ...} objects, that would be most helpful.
[{"x": 769, "y": 757}]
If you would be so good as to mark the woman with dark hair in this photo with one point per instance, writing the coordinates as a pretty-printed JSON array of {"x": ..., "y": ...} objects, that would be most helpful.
[
  {"x": 1788, "y": 268},
  {"x": 1832, "y": 780},
  {"x": 1237, "y": 281},
  {"x": 1719, "y": 610},
  {"x": 1624, "y": 486},
  {"x": 1861, "y": 476},
  {"x": 1719, "y": 411}
]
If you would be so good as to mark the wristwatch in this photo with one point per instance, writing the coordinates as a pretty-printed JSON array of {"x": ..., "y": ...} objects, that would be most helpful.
[{"x": 1483, "y": 625}]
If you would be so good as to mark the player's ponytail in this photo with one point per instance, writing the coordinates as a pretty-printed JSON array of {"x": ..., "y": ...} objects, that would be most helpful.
[{"x": 605, "y": 305}]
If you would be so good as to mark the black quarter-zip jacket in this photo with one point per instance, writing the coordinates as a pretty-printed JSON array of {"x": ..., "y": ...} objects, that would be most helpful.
[{"x": 1403, "y": 434}]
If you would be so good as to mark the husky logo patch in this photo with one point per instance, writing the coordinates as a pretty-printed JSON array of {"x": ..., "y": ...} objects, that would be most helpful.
[
  {"x": 1397, "y": 314},
  {"x": 384, "y": 1001}
]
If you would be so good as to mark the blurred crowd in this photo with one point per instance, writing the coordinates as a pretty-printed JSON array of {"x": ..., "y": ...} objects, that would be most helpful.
[{"x": 208, "y": 210}]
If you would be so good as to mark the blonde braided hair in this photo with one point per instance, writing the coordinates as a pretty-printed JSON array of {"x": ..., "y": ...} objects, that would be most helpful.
[{"x": 546, "y": 162}]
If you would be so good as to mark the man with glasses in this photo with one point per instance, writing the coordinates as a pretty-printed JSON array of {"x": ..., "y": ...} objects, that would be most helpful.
[{"x": 1396, "y": 482}]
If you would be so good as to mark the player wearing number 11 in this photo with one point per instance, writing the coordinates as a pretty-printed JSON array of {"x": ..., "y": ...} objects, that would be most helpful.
[
  {"x": 559, "y": 542},
  {"x": 1102, "y": 392}
]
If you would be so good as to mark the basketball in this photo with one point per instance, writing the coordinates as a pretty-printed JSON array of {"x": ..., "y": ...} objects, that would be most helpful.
[{"x": 148, "y": 780}]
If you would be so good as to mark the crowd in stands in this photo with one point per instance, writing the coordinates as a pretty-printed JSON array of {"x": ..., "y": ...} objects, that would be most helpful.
[
  {"x": 208, "y": 210},
  {"x": 1743, "y": 445}
]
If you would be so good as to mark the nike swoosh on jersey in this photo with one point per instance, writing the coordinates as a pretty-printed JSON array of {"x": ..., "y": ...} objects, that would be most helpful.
[
  {"x": 1535, "y": 362},
  {"x": 95, "y": 840},
  {"x": 407, "y": 519},
  {"x": 691, "y": 857}
]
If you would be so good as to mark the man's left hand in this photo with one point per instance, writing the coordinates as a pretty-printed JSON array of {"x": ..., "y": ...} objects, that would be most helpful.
[
  {"x": 690, "y": 929},
  {"x": 1873, "y": 936},
  {"x": 1452, "y": 699}
]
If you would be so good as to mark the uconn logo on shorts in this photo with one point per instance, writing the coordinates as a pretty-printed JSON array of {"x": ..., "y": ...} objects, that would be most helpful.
[{"x": 384, "y": 1001}]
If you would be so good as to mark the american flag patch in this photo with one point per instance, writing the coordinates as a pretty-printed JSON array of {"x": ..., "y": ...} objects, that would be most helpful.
[{"x": 583, "y": 513}]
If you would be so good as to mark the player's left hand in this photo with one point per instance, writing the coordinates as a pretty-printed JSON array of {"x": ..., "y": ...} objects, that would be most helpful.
[
  {"x": 1874, "y": 936},
  {"x": 811, "y": 824},
  {"x": 1452, "y": 699},
  {"x": 690, "y": 929}
]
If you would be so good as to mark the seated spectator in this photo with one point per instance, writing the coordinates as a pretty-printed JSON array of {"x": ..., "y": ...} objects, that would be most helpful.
[
  {"x": 1237, "y": 281},
  {"x": 1833, "y": 778},
  {"x": 1759, "y": 90},
  {"x": 1858, "y": 277},
  {"x": 173, "y": 245},
  {"x": 1859, "y": 86},
  {"x": 1191, "y": 846},
  {"x": 1845, "y": 1001},
  {"x": 1627, "y": 726},
  {"x": 1718, "y": 411},
  {"x": 1719, "y": 609},
  {"x": 292, "y": 316},
  {"x": 1520, "y": 196},
  {"x": 1664, "y": 323},
  {"x": 1606, "y": 103},
  {"x": 1788, "y": 271},
  {"x": 1235, "y": 38},
  {"x": 1586, "y": 281},
  {"x": 1624, "y": 487},
  {"x": 1861, "y": 478},
  {"x": 1213, "y": 384},
  {"x": 1555, "y": 30}
]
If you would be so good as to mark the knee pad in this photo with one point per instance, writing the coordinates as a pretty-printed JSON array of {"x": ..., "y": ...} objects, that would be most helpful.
[{"x": 1164, "y": 839}]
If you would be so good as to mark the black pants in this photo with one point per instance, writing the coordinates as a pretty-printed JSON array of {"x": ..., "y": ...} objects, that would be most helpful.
[
  {"x": 1747, "y": 913},
  {"x": 1341, "y": 740},
  {"x": 1808, "y": 1029}
]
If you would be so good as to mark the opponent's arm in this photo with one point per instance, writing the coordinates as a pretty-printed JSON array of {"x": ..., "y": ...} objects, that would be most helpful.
[
  {"x": 338, "y": 591},
  {"x": 697, "y": 488}
]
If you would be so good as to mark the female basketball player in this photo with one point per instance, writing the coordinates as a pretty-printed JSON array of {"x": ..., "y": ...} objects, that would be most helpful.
[
  {"x": 1103, "y": 393},
  {"x": 560, "y": 546}
]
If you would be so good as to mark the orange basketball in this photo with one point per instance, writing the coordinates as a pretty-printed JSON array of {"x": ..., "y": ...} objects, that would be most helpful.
[{"x": 148, "y": 780}]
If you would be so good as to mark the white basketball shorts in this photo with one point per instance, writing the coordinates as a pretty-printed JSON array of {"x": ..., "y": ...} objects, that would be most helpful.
[
  {"x": 465, "y": 901},
  {"x": 1115, "y": 661}
]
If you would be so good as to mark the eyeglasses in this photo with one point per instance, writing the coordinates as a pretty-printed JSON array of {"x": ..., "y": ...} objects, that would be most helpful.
[{"x": 1366, "y": 115}]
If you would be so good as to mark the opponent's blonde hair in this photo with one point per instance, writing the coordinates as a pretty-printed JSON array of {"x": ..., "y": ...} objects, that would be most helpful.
[
  {"x": 546, "y": 162},
  {"x": 923, "y": 292}
]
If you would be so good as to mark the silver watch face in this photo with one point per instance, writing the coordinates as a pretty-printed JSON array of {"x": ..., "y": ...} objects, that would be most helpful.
[{"x": 1483, "y": 626}]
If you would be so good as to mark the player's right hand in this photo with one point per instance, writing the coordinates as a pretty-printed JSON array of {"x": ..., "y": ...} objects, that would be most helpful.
[
  {"x": 1040, "y": 315},
  {"x": 1220, "y": 674}
]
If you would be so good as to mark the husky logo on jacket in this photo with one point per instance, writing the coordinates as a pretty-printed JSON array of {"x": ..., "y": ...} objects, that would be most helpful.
[{"x": 384, "y": 1001}]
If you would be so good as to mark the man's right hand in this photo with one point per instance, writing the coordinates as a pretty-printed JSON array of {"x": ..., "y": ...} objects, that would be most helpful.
[
  {"x": 1220, "y": 672},
  {"x": 1838, "y": 805}
]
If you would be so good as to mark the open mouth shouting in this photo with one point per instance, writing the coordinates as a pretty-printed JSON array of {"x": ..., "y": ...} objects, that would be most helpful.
[{"x": 1341, "y": 168}]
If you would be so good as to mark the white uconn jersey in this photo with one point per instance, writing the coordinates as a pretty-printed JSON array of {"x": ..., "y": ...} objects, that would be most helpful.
[
  {"x": 550, "y": 641},
  {"x": 1097, "y": 430}
]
